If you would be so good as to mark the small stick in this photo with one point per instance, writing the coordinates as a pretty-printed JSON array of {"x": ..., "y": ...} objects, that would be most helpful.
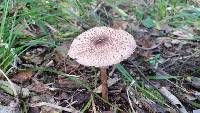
[
  {"x": 71, "y": 110},
  {"x": 104, "y": 78},
  {"x": 93, "y": 105},
  {"x": 154, "y": 47}
]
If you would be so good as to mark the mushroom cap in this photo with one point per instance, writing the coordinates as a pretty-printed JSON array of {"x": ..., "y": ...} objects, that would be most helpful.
[{"x": 102, "y": 46}]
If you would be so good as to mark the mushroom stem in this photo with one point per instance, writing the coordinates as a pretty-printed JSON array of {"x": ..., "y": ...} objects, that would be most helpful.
[{"x": 104, "y": 79}]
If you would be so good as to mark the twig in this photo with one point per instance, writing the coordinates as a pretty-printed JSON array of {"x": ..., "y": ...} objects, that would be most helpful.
[
  {"x": 93, "y": 105},
  {"x": 127, "y": 92},
  {"x": 71, "y": 110},
  {"x": 153, "y": 47}
]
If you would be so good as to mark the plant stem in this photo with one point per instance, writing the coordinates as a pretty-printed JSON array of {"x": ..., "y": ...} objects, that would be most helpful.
[{"x": 104, "y": 78}]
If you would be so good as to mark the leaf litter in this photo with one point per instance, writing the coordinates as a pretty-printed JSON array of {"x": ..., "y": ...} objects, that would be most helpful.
[{"x": 168, "y": 58}]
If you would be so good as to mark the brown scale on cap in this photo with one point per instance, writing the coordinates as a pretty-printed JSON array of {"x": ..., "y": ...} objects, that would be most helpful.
[
  {"x": 100, "y": 41},
  {"x": 102, "y": 46}
]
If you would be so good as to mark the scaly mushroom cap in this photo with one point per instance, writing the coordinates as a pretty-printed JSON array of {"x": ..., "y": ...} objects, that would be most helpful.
[{"x": 102, "y": 46}]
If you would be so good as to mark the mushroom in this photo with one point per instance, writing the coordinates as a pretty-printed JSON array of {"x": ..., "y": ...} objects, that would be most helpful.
[{"x": 102, "y": 47}]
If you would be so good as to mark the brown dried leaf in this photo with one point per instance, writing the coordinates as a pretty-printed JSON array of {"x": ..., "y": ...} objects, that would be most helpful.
[
  {"x": 38, "y": 87},
  {"x": 145, "y": 43},
  {"x": 22, "y": 76},
  {"x": 64, "y": 83}
]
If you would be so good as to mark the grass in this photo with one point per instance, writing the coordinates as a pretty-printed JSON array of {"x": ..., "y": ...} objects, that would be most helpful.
[
  {"x": 149, "y": 93},
  {"x": 80, "y": 82},
  {"x": 176, "y": 13},
  {"x": 20, "y": 15},
  {"x": 24, "y": 25},
  {"x": 14, "y": 40},
  {"x": 12, "y": 43}
]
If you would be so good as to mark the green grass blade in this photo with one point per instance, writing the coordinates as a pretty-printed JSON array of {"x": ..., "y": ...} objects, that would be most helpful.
[
  {"x": 5, "y": 12},
  {"x": 124, "y": 73}
]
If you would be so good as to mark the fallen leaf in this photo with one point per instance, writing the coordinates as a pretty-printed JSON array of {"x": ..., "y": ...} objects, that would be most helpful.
[
  {"x": 22, "y": 76},
  {"x": 65, "y": 83},
  {"x": 38, "y": 87},
  {"x": 145, "y": 43},
  {"x": 5, "y": 85}
]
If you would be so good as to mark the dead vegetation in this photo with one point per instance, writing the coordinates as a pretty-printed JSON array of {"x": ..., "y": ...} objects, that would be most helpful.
[{"x": 162, "y": 75}]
